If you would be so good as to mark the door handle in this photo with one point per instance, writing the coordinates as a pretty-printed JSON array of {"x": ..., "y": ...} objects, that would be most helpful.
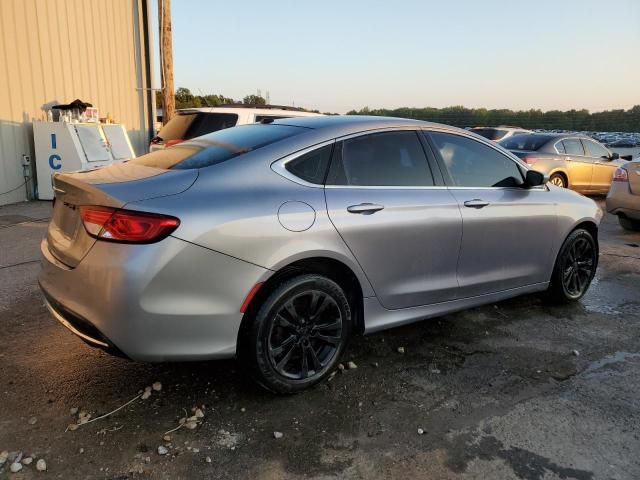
[
  {"x": 476, "y": 203},
  {"x": 365, "y": 208}
]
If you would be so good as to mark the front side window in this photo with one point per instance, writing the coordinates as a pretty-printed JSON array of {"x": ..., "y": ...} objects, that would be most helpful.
[
  {"x": 393, "y": 159},
  {"x": 311, "y": 167},
  {"x": 473, "y": 164},
  {"x": 595, "y": 149},
  {"x": 572, "y": 146}
]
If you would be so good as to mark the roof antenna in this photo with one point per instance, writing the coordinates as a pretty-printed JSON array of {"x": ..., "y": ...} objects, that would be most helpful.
[{"x": 204, "y": 98}]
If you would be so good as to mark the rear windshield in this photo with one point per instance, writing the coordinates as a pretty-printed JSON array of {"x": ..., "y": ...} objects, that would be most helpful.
[
  {"x": 186, "y": 126},
  {"x": 525, "y": 142},
  {"x": 217, "y": 147},
  {"x": 490, "y": 133}
]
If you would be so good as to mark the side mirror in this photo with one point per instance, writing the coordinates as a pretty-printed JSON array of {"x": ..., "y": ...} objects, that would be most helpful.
[
  {"x": 614, "y": 156},
  {"x": 534, "y": 179},
  {"x": 626, "y": 157}
]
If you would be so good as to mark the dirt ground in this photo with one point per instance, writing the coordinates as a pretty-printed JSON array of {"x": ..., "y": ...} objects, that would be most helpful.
[{"x": 513, "y": 390}]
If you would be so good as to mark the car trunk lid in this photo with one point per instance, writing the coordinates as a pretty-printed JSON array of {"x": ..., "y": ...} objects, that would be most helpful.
[{"x": 112, "y": 186}]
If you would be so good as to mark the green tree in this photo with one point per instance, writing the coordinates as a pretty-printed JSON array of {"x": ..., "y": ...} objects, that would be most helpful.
[{"x": 254, "y": 100}]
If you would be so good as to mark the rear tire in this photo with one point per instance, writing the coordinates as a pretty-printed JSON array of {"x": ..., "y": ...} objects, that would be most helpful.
[
  {"x": 297, "y": 334},
  {"x": 575, "y": 267},
  {"x": 558, "y": 180},
  {"x": 628, "y": 224}
]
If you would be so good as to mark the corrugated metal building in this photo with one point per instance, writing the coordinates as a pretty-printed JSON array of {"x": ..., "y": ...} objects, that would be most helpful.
[{"x": 54, "y": 51}]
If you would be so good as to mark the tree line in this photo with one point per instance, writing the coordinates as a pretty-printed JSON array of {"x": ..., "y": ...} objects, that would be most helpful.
[{"x": 575, "y": 120}]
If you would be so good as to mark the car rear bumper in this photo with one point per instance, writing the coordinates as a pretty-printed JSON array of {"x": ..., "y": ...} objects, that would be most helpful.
[
  {"x": 620, "y": 201},
  {"x": 166, "y": 301}
]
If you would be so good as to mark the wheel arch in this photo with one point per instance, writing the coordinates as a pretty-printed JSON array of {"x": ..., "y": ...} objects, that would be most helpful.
[
  {"x": 561, "y": 171},
  {"x": 331, "y": 268}
]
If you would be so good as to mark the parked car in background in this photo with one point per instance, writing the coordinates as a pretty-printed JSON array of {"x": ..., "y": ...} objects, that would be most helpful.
[
  {"x": 571, "y": 161},
  {"x": 499, "y": 133},
  {"x": 623, "y": 199},
  {"x": 277, "y": 241},
  {"x": 195, "y": 122}
]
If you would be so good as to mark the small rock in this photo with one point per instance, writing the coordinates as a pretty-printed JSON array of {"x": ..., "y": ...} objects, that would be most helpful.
[
  {"x": 195, "y": 450},
  {"x": 208, "y": 459},
  {"x": 374, "y": 364},
  {"x": 3, "y": 457},
  {"x": 15, "y": 467},
  {"x": 27, "y": 460},
  {"x": 278, "y": 435},
  {"x": 33, "y": 421},
  {"x": 146, "y": 394},
  {"x": 81, "y": 450},
  {"x": 162, "y": 450},
  {"x": 147, "y": 459},
  {"x": 41, "y": 465},
  {"x": 243, "y": 409},
  {"x": 576, "y": 353},
  {"x": 191, "y": 425},
  {"x": 401, "y": 350},
  {"x": 340, "y": 367},
  {"x": 420, "y": 431},
  {"x": 199, "y": 413},
  {"x": 157, "y": 386},
  {"x": 352, "y": 365},
  {"x": 73, "y": 411},
  {"x": 167, "y": 438},
  {"x": 72, "y": 426}
]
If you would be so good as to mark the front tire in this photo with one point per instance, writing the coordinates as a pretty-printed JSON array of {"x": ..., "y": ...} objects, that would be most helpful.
[
  {"x": 628, "y": 224},
  {"x": 575, "y": 267},
  {"x": 297, "y": 334}
]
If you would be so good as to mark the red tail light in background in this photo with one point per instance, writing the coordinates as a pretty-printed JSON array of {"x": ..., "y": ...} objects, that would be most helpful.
[
  {"x": 175, "y": 141},
  {"x": 530, "y": 160},
  {"x": 126, "y": 226},
  {"x": 620, "y": 175}
]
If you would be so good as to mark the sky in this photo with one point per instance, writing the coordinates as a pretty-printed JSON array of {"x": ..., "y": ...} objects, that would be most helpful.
[{"x": 341, "y": 55}]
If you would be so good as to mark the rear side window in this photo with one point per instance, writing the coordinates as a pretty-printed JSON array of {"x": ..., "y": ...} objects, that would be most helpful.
[
  {"x": 494, "y": 134},
  {"x": 393, "y": 159},
  {"x": 190, "y": 125},
  {"x": 572, "y": 146},
  {"x": 560, "y": 147},
  {"x": 472, "y": 164},
  {"x": 311, "y": 167},
  {"x": 217, "y": 147},
  {"x": 595, "y": 149},
  {"x": 529, "y": 142}
]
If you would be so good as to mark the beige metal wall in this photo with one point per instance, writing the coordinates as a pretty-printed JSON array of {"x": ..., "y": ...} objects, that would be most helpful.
[{"x": 54, "y": 51}]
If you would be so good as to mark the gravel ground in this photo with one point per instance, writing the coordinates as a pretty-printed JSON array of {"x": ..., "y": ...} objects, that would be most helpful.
[{"x": 513, "y": 390}]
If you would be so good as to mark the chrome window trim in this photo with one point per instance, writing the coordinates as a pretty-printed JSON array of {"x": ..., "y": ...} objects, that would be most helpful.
[{"x": 279, "y": 166}]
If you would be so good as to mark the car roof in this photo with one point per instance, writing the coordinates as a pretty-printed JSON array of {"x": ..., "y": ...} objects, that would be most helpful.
[
  {"x": 354, "y": 122},
  {"x": 266, "y": 110}
]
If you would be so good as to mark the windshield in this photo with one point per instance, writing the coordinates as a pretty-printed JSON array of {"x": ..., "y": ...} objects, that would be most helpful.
[
  {"x": 490, "y": 133},
  {"x": 525, "y": 142},
  {"x": 217, "y": 147}
]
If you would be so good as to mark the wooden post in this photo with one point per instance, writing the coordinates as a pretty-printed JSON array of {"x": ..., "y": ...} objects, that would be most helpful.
[{"x": 166, "y": 60}]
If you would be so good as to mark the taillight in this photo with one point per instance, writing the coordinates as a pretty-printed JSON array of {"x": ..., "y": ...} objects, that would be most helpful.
[
  {"x": 530, "y": 160},
  {"x": 175, "y": 141},
  {"x": 620, "y": 175},
  {"x": 126, "y": 226}
]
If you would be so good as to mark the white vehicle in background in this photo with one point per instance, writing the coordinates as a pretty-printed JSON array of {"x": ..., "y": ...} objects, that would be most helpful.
[
  {"x": 195, "y": 122},
  {"x": 499, "y": 133}
]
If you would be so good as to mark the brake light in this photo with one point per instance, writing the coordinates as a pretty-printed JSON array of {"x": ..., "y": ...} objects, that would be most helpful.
[
  {"x": 175, "y": 141},
  {"x": 530, "y": 160},
  {"x": 620, "y": 175},
  {"x": 126, "y": 226}
]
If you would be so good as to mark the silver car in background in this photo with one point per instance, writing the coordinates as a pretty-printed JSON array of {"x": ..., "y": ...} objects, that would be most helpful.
[
  {"x": 623, "y": 199},
  {"x": 569, "y": 160},
  {"x": 276, "y": 242}
]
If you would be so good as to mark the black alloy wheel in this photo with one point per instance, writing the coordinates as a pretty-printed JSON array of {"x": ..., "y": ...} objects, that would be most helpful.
[
  {"x": 575, "y": 267},
  {"x": 297, "y": 334}
]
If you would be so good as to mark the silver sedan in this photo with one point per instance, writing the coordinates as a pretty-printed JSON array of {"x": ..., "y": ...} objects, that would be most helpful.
[{"x": 276, "y": 242}]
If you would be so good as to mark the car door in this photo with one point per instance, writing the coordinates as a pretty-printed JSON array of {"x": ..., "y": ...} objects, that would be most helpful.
[
  {"x": 603, "y": 166},
  {"x": 402, "y": 228},
  {"x": 580, "y": 166},
  {"x": 507, "y": 230}
]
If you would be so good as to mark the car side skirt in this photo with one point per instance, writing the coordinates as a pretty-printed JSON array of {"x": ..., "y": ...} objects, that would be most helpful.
[{"x": 377, "y": 318}]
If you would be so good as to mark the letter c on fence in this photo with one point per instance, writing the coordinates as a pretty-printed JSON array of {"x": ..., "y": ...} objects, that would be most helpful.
[{"x": 55, "y": 158}]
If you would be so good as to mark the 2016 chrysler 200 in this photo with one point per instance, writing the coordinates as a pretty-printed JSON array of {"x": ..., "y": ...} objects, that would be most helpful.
[{"x": 276, "y": 242}]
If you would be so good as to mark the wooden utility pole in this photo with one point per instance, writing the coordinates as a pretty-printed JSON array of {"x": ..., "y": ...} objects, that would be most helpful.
[{"x": 166, "y": 60}]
